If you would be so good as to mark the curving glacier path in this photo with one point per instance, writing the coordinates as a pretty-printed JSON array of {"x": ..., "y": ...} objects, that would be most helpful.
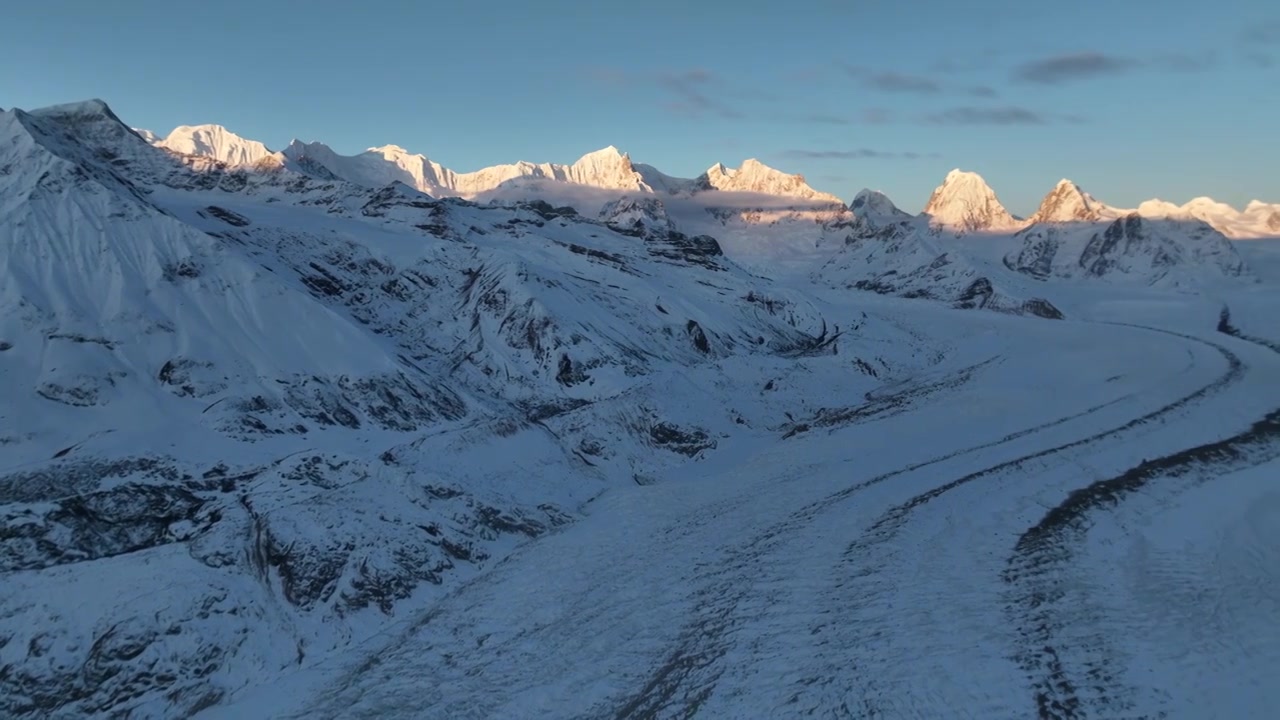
[{"x": 1083, "y": 520}]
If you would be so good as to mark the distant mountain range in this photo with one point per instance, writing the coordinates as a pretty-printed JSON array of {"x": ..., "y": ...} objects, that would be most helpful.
[{"x": 963, "y": 203}]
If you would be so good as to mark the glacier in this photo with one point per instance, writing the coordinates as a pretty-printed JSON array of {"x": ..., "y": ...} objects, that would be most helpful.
[{"x": 294, "y": 434}]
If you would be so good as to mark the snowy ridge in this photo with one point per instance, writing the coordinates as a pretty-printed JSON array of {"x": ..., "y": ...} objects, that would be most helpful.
[
  {"x": 606, "y": 169},
  {"x": 759, "y": 213},
  {"x": 216, "y": 142},
  {"x": 1257, "y": 220},
  {"x": 754, "y": 176}
]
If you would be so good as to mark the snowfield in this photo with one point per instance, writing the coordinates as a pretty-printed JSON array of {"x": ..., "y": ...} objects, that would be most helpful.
[{"x": 281, "y": 436}]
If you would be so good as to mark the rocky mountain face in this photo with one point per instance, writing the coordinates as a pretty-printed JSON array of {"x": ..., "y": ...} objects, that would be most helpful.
[
  {"x": 1072, "y": 235},
  {"x": 1128, "y": 249}
]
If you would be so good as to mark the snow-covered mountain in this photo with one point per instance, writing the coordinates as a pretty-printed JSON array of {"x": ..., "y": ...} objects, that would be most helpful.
[
  {"x": 1257, "y": 220},
  {"x": 606, "y": 169},
  {"x": 874, "y": 208},
  {"x": 761, "y": 215},
  {"x": 964, "y": 203},
  {"x": 1072, "y": 235},
  {"x": 1067, "y": 203},
  {"x": 216, "y": 142},
  {"x": 892, "y": 253}
]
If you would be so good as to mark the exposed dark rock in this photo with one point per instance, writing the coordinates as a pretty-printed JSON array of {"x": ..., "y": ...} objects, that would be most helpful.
[
  {"x": 679, "y": 440},
  {"x": 226, "y": 215},
  {"x": 1042, "y": 308},
  {"x": 123, "y": 519},
  {"x": 547, "y": 212},
  {"x": 186, "y": 268},
  {"x": 65, "y": 479},
  {"x": 698, "y": 337}
]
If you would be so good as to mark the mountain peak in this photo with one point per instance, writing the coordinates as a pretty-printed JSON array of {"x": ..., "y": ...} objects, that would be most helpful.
[
  {"x": 147, "y": 135},
  {"x": 755, "y": 177},
  {"x": 958, "y": 175},
  {"x": 1159, "y": 208},
  {"x": 608, "y": 155},
  {"x": 92, "y": 107},
  {"x": 217, "y": 142},
  {"x": 1067, "y": 202},
  {"x": 389, "y": 150},
  {"x": 609, "y": 151},
  {"x": 875, "y": 205},
  {"x": 965, "y": 203}
]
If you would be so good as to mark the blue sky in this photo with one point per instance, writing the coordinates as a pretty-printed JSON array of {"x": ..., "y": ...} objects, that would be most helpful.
[{"x": 1130, "y": 98}]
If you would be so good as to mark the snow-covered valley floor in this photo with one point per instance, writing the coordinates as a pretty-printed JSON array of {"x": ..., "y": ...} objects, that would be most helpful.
[{"x": 1082, "y": 522}]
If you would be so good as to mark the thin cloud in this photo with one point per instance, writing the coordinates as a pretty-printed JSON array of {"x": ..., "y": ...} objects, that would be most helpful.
[
  {"x": 983, "y": 91},
  {"x": 1258, "y": 41},
  {"x": 692, "y": 94},
  {"x": 877, "y": 116},
  {"x": 968, "y": 63},
  {"x": 827, "y": 119},
  {"x": 900, "y": 83},
  {"x": 893, "y": 82},
  {"x": 858, "y": 154},
  {"x": 987, "y": 116},
  {"x": 871, "y": 116},
  {"x": 1267, "y": 33},
  {"x": 1068, "y": 68},
  {"x": 1259, "y": 60},
  {"x": 1186, "y": 62}
]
